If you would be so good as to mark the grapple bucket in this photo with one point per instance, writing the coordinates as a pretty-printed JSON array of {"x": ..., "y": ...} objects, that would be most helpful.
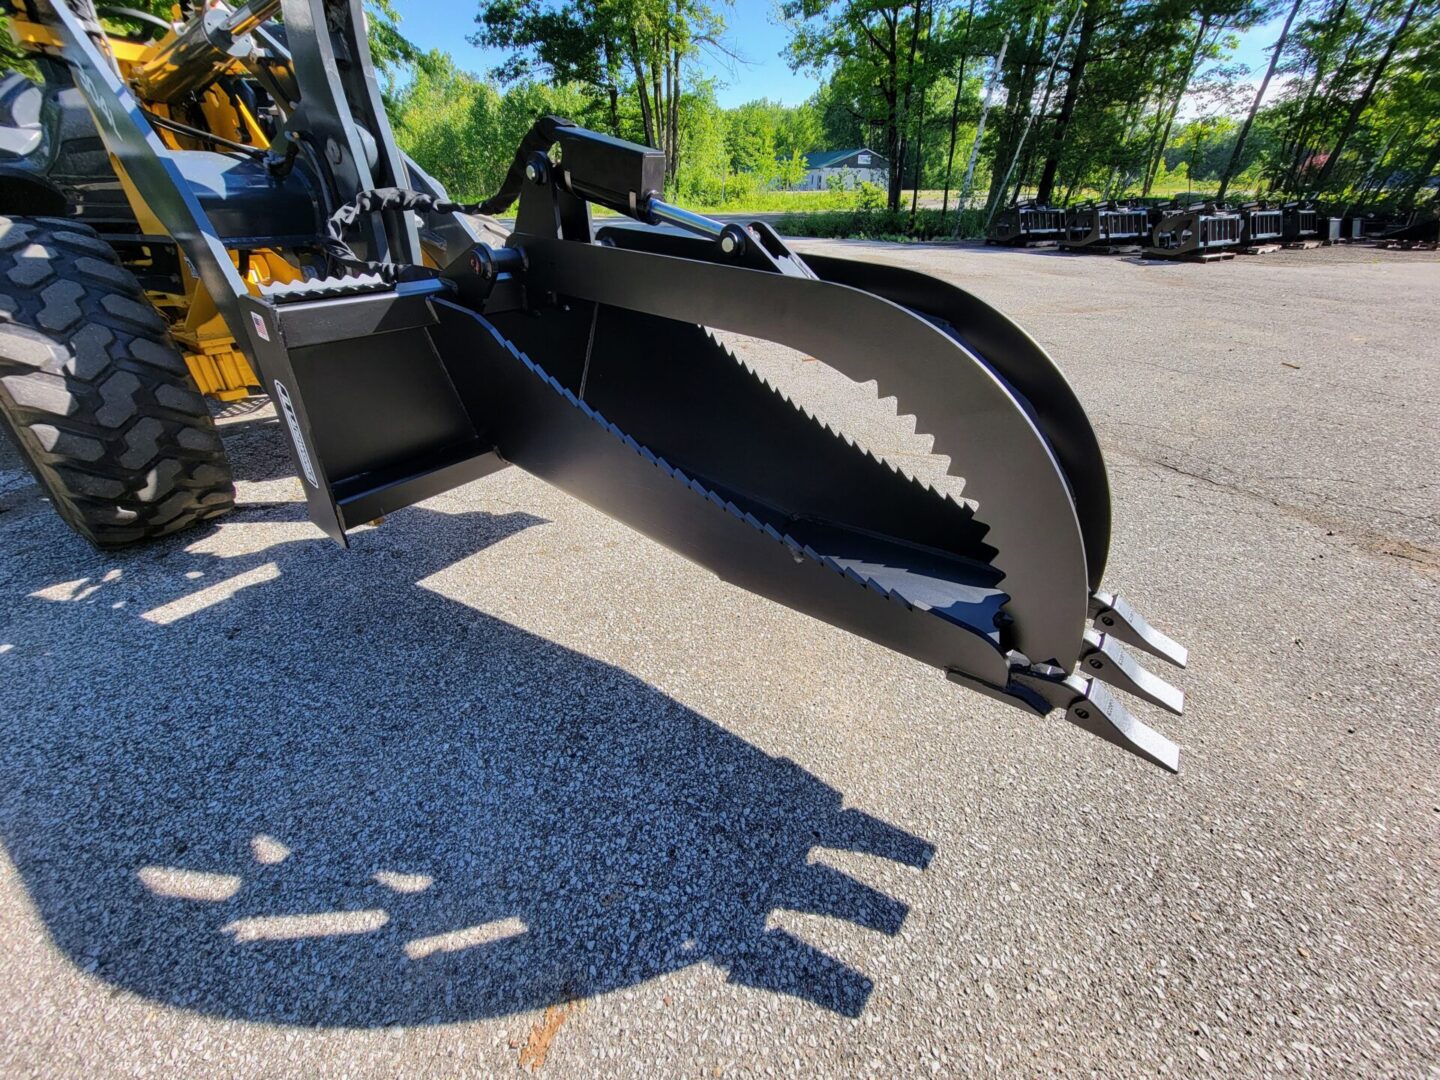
[
  {"x": 1026, "y": 223},
  {"x": 1260, "y": 224},
  {"x": 1109, "y": 227},
  {"x": 591, "y": 360},
  {"x": 1195, "y": 231},
  {"x": 1299, "y": 223}
]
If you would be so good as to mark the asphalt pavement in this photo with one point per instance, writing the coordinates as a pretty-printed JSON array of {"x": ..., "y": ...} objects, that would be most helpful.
[{"x": 507, "y": 787}]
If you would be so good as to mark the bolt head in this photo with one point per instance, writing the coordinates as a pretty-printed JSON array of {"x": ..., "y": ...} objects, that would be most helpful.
[
  {"x": 1107, "y": 620},
  {"x": 1096, "y": 664},
  {"x": 727, "y": 244},
  {"x": 1083, "y": 714}
]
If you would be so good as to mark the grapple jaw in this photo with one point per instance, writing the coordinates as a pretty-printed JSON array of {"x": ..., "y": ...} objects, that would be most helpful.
[{"x": 588, "y": 360}]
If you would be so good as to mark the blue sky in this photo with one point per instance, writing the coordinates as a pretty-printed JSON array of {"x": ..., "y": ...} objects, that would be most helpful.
[{"x": 754, "y": 32}]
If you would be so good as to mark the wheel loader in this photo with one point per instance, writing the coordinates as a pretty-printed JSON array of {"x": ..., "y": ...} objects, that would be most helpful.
[{"x": 214, "y": 207}]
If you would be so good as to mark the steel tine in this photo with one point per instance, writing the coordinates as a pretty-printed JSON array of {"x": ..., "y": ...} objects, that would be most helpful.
[
  {"x": 1106, "y": 659},
  {"x": 1117, "y": 617},
  {"x": 1101, "y": 713}
]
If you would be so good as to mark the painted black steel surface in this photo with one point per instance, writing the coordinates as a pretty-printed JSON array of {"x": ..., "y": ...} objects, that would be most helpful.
[
  {"x": 990, "y": 438},
  {"x": 915, "y": 600},
  {"x": 1039, "y": 386}
]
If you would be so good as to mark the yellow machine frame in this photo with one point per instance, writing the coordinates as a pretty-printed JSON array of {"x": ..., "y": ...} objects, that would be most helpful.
[{"x": 216, "y": 363}]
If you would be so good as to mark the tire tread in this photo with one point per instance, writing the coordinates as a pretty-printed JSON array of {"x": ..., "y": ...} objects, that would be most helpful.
[{"x": 95, "y": 393}]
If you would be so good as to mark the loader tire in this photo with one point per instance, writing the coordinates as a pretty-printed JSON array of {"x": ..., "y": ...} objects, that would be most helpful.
[{"x": 94, "y": 393}]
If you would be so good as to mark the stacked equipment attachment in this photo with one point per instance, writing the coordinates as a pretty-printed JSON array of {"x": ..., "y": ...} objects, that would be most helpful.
[
  {"x": 1201, "y": 231},
  {"x": 1109, "y": 227},
  {"x": 1367, "y": 225},
  {"x": 1300, "y": 223},
  {"x": 1025, "y": 224},
  {"x": 1419, "y": 232},
  {"x": 1261, "y": 227}
]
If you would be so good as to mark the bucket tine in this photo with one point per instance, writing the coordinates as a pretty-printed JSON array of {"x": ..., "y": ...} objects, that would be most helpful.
[
  {"x": 1106, "y": 659},
  {"x": 1115, "y": 616},
  {"x": 1101, "y": 713}
]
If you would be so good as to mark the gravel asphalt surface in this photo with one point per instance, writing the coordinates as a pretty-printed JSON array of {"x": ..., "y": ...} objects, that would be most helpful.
[{"x": 506, "y": 787}]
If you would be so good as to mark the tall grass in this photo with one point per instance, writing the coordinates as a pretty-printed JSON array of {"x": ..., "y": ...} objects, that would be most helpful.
[{"x": 883, "y": 224}]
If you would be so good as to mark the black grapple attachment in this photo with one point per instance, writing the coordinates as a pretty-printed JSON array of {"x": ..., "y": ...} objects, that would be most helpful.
[
  {"x": 1108, "y": 227},
  {"x": 1200, "y": 230},
  {"x": 1300, "y": 223},
  {"x": 1026, "y": 223},
  {"x": 590, "y": 359},
  {"x": 1260, "y": 223}
]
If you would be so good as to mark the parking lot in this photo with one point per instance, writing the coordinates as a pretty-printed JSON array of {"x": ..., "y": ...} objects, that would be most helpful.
[{"x": 507, "y": 787}]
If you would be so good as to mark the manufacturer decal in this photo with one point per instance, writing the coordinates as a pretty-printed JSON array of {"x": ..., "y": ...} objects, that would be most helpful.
[{"x": 301, "y": 450}]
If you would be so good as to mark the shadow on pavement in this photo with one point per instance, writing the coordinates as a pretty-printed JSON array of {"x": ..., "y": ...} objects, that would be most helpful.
[{"x": 296, "y": 785}]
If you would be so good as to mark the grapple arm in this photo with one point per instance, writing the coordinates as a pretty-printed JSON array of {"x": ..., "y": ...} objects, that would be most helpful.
[{"x": 588, "y": 360}]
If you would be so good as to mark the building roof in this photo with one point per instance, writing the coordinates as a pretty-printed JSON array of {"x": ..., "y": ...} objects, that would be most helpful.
[{"x": 824, "y": 159}]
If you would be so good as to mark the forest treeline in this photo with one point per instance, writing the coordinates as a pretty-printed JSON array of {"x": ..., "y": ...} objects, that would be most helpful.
[
  {"x": 1092, "y": 97},
  {"x": 1089, "y": 97}
]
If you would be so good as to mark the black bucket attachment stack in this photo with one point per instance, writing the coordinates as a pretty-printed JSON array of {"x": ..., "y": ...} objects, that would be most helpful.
[
  {"x": 1027, "y": 224},
  {"x": 592, "y": 360},
  {"x": 1300, "y": 224},
  {"x": 1361, "y": 226},
  {"x": 1108, "y": 227},
  {"x": 1261, "y": 227},
  {"x": 1201, "y": 231},
  {"x": 1419, "y": 232}
]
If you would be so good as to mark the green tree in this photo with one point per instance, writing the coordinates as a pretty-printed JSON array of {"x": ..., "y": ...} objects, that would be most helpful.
[{"x": 868, "y": 49}]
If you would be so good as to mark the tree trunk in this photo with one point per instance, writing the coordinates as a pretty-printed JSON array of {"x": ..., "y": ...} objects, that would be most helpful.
[
  {"x": 1359, "y": 104},
  {"x": 1029, "y": 151},
  {"x": 1293, "y": 140},
  {"x": 1432, "y": 162},
  {"x": 645, "y": 114},
  {"x": 611, "y": 90},
  {"x": 1189, "y": 73},
  {"x": 891, "y": 93},
  {"x": 955, "y": 110},
  {"x": 658, "y": 105},
  {"x": 1067, "y": 105},
  {"x": 1337, "y": 84},
  {"x": 920, "y": 120},
  {"x": 1239, "y": 147},
  {"x": 1029, "y": 120},
  {"x": 897, "y": 172},
  {"x": 1020, "y": 87},
  {"x": 919, "y": 156},
  {"x": 979, "y": 135},
  {"x": 672, "y": 113}
]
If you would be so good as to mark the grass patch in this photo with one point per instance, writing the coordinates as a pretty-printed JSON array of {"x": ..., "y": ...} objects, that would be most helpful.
[
  {"x": 898, "y": 225},
  {"x": 770, "y": 202}
]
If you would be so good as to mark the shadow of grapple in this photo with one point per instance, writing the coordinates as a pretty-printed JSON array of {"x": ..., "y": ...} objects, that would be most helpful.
[{"x": 335, "y": 797}]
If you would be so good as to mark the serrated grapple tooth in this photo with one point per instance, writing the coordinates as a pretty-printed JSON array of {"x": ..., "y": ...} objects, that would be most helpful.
[{"x": 941, "y": 607}]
